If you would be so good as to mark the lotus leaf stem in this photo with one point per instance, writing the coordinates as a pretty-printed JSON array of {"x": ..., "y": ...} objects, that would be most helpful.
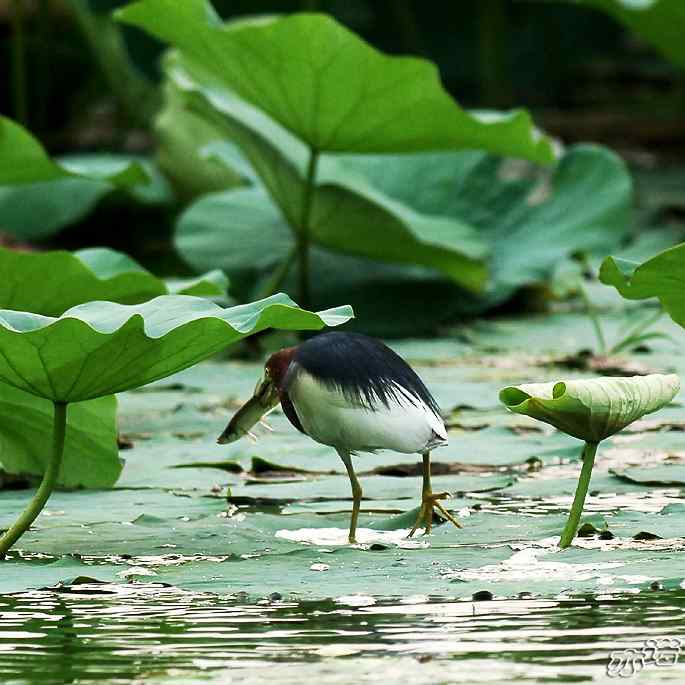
[
  {"x": 275, "y": 281},
  {"x": 594, "y": 317},
  {"x": 589, "y": 452},
  {"x": 134, "y": 93},
  {"x": 636, "y": 332},
  {"x": 47, "y": 485},
  {"x": 303, "y": 230}
]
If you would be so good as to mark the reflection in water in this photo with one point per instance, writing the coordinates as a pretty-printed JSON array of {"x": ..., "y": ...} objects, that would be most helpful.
[{"x": 146, "y": 633}]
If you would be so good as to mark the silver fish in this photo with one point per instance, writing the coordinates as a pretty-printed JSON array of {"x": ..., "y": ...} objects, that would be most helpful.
[{"x": 263, "y": 401}]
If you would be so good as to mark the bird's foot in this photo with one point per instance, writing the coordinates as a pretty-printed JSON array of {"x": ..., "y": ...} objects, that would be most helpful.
[{"x": 429, "y": 502}]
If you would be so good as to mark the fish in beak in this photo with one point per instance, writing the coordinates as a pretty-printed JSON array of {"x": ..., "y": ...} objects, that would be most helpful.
[{"x": 264, "y": 399}]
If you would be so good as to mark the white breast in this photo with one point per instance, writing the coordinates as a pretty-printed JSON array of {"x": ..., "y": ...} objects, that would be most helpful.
[{"x": 407, "y": 425}]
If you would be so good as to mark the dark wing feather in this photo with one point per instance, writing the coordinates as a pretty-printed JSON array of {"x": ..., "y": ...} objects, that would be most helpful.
[
  {"x": 290, "y": 413},
  {"x": 362, "y": 368}
]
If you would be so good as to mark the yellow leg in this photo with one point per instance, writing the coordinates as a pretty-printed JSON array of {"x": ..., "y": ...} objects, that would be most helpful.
[
  {"x": 430, "y": 501},
  {"x": 356, "y": 494}
]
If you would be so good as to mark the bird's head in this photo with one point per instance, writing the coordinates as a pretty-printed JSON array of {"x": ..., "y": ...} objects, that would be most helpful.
[{"x": 267, "y": 394}]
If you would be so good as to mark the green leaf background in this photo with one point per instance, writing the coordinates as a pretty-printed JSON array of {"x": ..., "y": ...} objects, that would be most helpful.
[{"x": 348, "y": 215}]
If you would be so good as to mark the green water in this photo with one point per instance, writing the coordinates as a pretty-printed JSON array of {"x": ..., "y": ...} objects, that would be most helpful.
[{"x": 145, "y": 633}]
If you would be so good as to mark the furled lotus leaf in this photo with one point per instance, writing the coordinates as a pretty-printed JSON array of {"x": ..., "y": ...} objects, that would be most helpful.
[
  {"x": 50, "y": 282},
  {"x": 100, "y": 348},
  {"x": 592, "y": 409}
]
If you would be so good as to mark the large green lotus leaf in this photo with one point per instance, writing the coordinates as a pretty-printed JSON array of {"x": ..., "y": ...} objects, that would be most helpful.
[
  {"x": 182, "y": 136},
  {"x": 91, "y": 455},
  {"x": 239, "y": 231},
  {"x": 214, "y": 283},
  {"x": 205, "y": 240},
  {"x": 425, "y": 192},
  {"x": 100, "y": 348},
  {"x": 330, "y": 88},
  {"x": 592, "y": 409},
  {"x": 115, "y": 268},
  {"x": 24, "y": 160},
  {"x": 659, "y": 22},
  {"x": 662, "y": 276},
  {"x": 347, "y": 214},
  {"x": 372, "y": 287},
  {"x": 49, "y": 283},
  {"x": 265, "y": 241},
  {"x": 530, "y": 223},
  {"x": 32, "y": 211},
  {"x": 39, "y": 195}
]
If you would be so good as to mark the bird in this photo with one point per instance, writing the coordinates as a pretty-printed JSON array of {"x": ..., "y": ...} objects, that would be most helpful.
[{"x": 353, "y": 393}]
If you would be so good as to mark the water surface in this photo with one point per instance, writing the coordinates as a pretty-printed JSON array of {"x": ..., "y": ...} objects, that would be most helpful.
[{"x": 146, "y": 633}]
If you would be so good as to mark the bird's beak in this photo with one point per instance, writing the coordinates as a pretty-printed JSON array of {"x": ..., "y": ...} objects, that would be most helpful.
[{"x": 264, "y": 399}]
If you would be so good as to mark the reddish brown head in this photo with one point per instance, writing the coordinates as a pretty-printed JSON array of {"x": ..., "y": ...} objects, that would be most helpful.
[{"x": 277, "y": 365}]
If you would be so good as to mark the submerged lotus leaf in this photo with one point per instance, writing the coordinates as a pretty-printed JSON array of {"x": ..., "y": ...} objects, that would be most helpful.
[
  {"x": 50, "y": 282},
  {"x": 330, "y": 88},
  {"x": 662, "y": 276},
  {"x": 592, "y": 409},
  {"x": 100, "y": 348}
]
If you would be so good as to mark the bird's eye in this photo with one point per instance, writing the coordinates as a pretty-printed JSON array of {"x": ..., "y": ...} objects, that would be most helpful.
[{"x": 267, "y": 372}]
